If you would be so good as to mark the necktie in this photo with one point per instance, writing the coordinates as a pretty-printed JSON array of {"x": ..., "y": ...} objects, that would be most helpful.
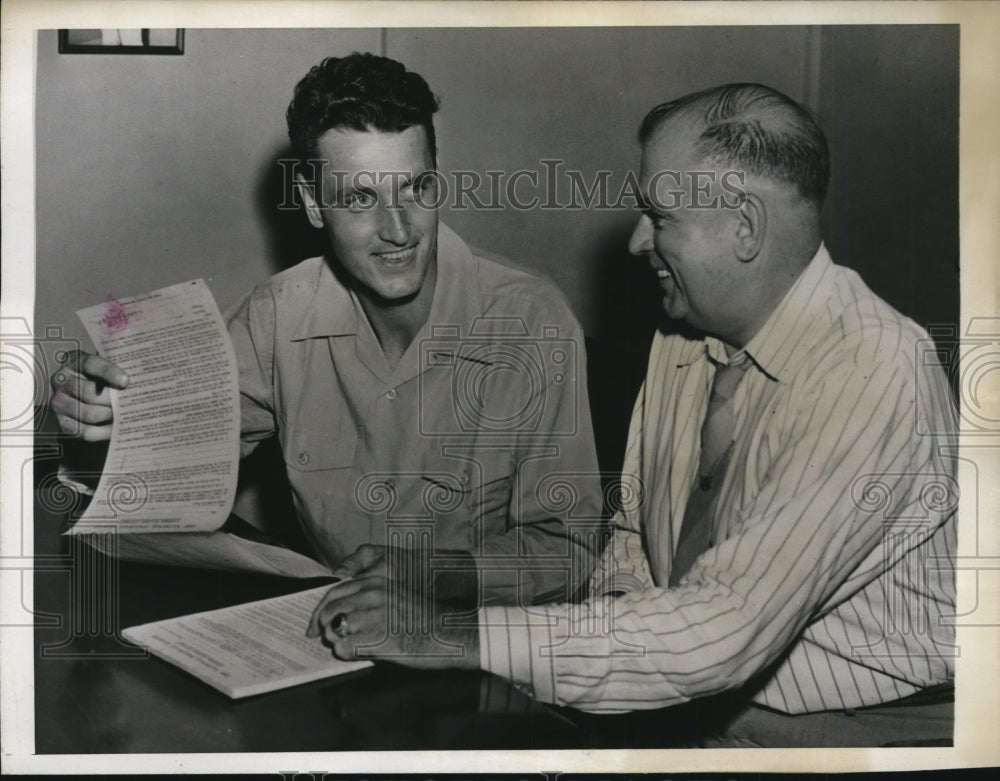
[{"x": 716, "y": 445}]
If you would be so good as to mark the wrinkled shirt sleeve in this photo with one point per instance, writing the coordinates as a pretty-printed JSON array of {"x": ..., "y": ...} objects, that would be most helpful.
[
  {"x": 801, "y": 549},
  {"x": 251, "y": 328}
]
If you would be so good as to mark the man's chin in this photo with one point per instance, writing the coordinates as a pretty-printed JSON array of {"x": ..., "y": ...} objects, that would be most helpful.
[
  {"x": 401, "y": 300},
  {"x": 672, "y": 310},
  {"x": 397, "y": 295}
]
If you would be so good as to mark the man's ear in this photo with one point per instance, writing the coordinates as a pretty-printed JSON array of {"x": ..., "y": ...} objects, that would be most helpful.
[
  {"x": 751, "y": 227},
  {"x": 313, "y": 212}
]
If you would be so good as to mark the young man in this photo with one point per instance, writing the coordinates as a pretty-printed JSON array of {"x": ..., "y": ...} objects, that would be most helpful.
[
  {"x": 423, "y": 394},
  {"x": 796, "y": 544}
]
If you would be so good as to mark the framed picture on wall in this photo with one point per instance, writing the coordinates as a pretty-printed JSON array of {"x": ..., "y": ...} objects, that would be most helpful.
[{"x": 115, "y": 41}]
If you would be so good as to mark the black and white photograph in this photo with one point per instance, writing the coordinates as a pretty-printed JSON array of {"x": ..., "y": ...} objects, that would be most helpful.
[
  {"x": 464, "y": 394},
  {"x": 121, "y": 41}
]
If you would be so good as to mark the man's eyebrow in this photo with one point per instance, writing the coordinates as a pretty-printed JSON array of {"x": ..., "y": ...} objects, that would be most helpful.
[{"x": 405, "y": 180}]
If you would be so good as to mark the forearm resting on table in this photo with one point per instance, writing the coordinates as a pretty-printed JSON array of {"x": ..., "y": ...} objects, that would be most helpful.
[
  {"x": 533, "y": 564},
  {"x": 454, "y": 642},
  {"x": 455, "y": 578}
]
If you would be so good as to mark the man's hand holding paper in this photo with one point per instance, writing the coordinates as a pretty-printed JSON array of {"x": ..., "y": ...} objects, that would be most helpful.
[{"x": 81, "y": 395}]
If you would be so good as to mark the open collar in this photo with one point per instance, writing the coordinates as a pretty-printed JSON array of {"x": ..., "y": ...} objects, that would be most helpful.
[
  {"x": 330, "y": 311},
  {"x": 334, "y": 309}
]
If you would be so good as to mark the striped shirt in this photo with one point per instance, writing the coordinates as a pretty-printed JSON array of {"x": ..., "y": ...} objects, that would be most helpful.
[{"x": 830, "y": 578}]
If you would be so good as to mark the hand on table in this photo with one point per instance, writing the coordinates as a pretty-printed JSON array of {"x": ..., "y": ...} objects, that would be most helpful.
[
  {"x": 81, "y": 399},
  {"x": 383, "y": 609}
]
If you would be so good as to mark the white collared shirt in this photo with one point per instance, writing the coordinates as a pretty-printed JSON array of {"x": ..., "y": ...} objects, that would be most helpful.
[{"x": 834, "y": 537}]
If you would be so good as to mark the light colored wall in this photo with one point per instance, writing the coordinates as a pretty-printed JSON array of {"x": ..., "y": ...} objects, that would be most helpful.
[
  {"x": 513, "y": 97},
  {"x": 154, "y": 170}
]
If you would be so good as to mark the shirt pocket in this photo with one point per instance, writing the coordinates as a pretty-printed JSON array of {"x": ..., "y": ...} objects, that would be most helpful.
[{"x": 313, "y": 450}]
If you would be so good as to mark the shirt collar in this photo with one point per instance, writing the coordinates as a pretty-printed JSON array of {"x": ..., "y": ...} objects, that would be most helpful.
[
  {"x": 456, "y": 298},
  {"x": 331, "y": 311},
  {"x": 776, "y": 345},
  {"x": 334, "y": 309}
]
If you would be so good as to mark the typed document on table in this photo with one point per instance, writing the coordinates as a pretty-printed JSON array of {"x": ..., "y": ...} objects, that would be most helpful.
[{"x": 247, "y": 649}]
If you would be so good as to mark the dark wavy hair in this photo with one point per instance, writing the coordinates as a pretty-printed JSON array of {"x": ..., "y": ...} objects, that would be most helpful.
[
  {"x": 360, "y": 92},
  {"x": 757, "y": 129}
]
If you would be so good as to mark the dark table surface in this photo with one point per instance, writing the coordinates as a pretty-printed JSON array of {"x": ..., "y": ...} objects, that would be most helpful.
[{"x": 97, "y": 693}]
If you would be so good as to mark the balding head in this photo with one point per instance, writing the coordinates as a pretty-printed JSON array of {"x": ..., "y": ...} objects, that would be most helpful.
[
  {"x": 733, "y": 179},
  {"x": 756, "y": 129}
]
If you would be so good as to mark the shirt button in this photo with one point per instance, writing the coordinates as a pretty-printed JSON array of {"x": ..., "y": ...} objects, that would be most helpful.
[
  {"x": 391, "y": 394},
  {"x": 303, "y": 457}
]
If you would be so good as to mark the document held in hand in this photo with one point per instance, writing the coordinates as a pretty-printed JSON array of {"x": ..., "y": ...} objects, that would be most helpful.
[
  {"x": 247, "y": 649},
  {"x": 174, "y": 454},
  {"x": 170, "y": 475}
]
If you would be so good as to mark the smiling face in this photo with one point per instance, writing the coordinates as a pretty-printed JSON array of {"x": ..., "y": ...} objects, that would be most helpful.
[
  {"x": 372, "y": 210},
  {"x": 689, "y": 249}
]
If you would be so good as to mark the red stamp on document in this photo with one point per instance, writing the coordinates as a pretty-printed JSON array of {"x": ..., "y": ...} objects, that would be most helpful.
[{"x": 115, "y": 317}]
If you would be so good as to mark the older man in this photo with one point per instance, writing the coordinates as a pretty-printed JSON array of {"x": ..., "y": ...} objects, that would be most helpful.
[{"x": 795, "y": 539}]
